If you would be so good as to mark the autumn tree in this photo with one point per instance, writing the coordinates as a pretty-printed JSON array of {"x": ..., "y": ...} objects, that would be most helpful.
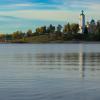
[
  {"x": 74, "y": 28},
  {"x": 17, "y": 35},
  {"x": 67, "y": 28}
]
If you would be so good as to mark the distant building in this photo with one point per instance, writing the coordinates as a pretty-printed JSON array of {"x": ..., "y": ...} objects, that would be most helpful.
[
  {"x": 91, "y": 26},
  {"x": 82, "y": 22}
]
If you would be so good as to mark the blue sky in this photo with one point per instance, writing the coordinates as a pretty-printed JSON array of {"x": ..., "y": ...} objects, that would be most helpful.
[{"x": 28, "y": 14}]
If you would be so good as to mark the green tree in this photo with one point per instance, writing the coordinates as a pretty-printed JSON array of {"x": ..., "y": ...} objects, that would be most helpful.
[
  {"x": 51, "y": 29},
  {"x": 97, "y": 33},
  {"x": 67, "y": 28},
  {"x": 85, "y": 30},
  {"x": 29, "y": 33},
  {"x": 8, "y": 37},
  {"x": 98, "y": 28},
  {"x": 59, "y": 28}
]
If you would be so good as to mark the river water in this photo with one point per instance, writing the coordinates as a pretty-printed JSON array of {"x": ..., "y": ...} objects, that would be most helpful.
[{"x": 50, "y": 71}]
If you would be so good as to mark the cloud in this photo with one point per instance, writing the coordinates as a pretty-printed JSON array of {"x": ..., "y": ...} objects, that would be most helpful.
[
  {"x": 38, "y": 14},
  {"x": 68, "y": 5},
  {"x": 45, "y": 11}
]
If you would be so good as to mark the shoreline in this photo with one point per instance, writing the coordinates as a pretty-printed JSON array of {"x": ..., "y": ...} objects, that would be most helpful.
[{"x": 55, "y": 42}]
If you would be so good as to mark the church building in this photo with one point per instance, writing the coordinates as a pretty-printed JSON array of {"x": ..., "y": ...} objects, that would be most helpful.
[{"x": 82, "y": 22}]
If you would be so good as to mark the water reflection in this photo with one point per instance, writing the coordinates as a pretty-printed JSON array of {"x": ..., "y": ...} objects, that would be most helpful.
[
  {"x": 41, "y": 73},
  {"x": 80, "y": 61},
  {"x": 70, "y": 59},
  {"x": 91, "y": 61}
]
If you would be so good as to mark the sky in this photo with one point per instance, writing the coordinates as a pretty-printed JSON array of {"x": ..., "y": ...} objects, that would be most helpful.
[{"x": 29, "y": 14}]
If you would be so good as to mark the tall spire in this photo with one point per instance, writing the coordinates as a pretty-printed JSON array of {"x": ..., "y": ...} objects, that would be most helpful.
[
  {"x": 82, "y": 12},
  {"x": 82, "y": 21}
]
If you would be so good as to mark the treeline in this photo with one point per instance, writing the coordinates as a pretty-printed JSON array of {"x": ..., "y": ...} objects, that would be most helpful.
[{"x": 68, "y": 32}]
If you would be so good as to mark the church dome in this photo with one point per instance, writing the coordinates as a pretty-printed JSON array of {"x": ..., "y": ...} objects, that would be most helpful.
[{"x": 92, "y": 21}]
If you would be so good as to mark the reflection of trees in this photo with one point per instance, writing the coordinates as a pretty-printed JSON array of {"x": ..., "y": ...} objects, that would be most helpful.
[
  {"x": 70, "y": 59},
  {"x": 93, "y": 57},
  {"x": 91, "y": 61},
  {"x": 59, "y": 59}
]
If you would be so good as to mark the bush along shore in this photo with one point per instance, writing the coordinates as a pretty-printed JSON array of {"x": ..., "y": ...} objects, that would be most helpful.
[{"x": 52, "y": 34}]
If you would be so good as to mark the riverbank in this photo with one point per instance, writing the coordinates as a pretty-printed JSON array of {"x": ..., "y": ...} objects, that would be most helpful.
[
  {"x": 54, "y": 42},
  {"x": 46, "y": 39}
]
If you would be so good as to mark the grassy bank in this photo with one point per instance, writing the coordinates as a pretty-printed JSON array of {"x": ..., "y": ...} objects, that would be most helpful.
[{"x": 46, "y": 39}]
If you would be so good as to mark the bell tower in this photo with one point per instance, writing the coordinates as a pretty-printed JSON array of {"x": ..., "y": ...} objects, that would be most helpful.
[{"x": 82, "y": 22}]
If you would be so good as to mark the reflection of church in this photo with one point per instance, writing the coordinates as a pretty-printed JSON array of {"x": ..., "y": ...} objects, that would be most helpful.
[
  {"x": 88, "y": 62},
  {"x": 81, "y": 61}
]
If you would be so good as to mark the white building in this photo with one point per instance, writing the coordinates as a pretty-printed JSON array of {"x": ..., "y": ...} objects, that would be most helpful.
[{"x": 82, "y": 22}]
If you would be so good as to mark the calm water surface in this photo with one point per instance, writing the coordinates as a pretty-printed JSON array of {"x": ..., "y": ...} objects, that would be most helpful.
[{"x": 49, "y": 71}]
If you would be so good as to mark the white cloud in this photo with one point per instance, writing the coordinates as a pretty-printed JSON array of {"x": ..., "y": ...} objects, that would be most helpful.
[
  {"x": 27, "y": 5},
  {"x": 60, "y": 12},
  {"x": 61, "y": 5},
  {"x": 17, "y": 5},
  {"x": 39, "y": 14}
]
